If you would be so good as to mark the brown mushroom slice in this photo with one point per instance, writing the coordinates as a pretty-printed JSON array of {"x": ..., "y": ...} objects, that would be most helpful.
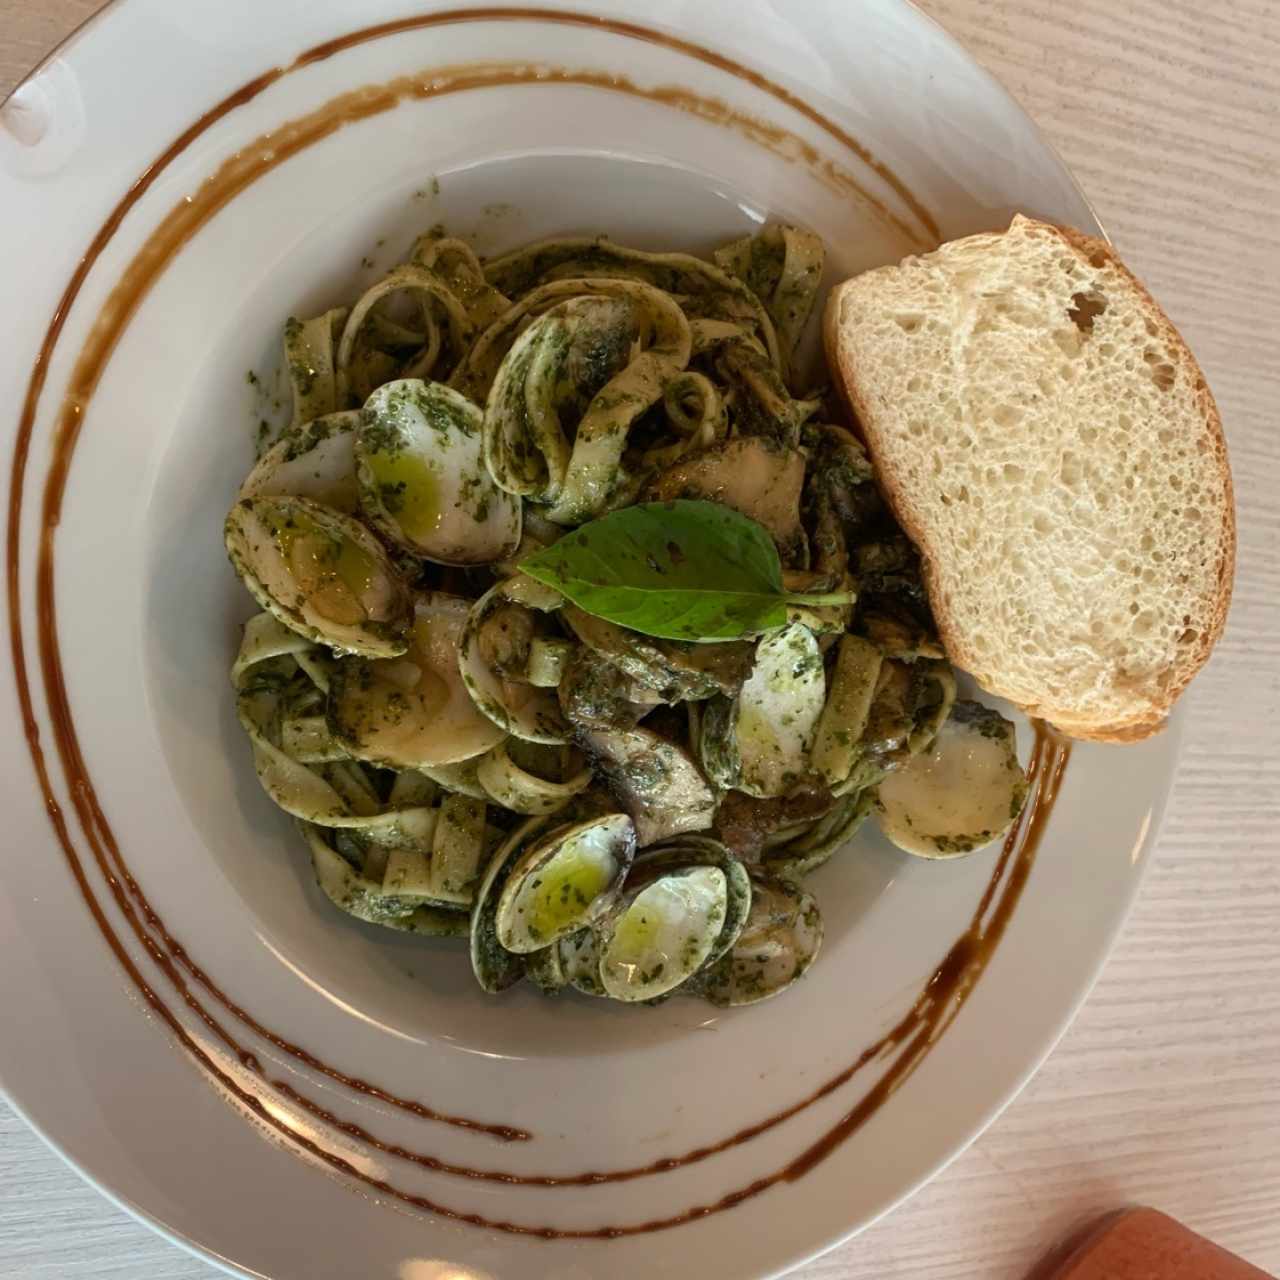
[
  {"x": 655, "y": 781},
  {"x": 669, "y": 668},
  {"x": 320, "y": 573},
  {"x": 595, "y": 694},
  {"x": 754, "y": 476},
  {"x": 965, "y": 791}
]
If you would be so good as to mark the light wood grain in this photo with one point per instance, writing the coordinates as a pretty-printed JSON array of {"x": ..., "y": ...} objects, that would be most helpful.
[{"x": 1167, "y": 1088}]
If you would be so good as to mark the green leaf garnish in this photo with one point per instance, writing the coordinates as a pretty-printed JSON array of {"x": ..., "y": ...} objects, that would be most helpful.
[{"x": 681, "y": 570}]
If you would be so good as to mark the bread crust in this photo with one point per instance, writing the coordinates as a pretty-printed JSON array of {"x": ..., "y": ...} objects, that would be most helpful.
[{"x": 1099, "y": 255}]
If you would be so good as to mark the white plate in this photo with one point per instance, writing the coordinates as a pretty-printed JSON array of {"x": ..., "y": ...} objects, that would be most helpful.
[{"x": 189, "y": 1106}]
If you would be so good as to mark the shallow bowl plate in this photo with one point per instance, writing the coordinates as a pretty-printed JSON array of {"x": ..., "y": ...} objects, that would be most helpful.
[{"x": 188, "y": 1021}]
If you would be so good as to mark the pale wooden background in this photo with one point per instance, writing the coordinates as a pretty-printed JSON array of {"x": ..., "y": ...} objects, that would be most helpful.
[{"x": 1167, "y": 1089}]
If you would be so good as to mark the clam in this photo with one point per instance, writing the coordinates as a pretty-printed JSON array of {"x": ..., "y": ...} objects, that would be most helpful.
[
  {"x": 655, "y": 781},
  {"x": 423, "y": 483},
  {"x": 494, "y": 966},
  {"x": 320, "y": 573},
  {"x": 760, "y": 742},
  {"x": 412, "y": 712},
  {"x": 664, "y": 932},
  {"x": 778, "y": 943},
  {"x": 966, "y": 790},
  {"x": 563, "y": 881},
  {"x": 697, "y": 850},
  {"x": 493, "y": 656},
  {"x": 315, "y": 460}
]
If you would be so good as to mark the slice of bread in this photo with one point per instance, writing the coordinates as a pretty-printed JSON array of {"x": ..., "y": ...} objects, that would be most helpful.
[{"x": 1048, "y": 441}]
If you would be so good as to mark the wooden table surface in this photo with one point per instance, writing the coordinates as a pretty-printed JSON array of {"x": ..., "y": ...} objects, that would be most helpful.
[{"x": 1167, "y": 1089}]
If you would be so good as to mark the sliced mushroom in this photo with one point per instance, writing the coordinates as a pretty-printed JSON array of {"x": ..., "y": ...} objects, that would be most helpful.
[
  {"x": 564, "y": 881},
  {"x": 669, "y": 672},
  {"x": 806, "y": 850},
  {"x": 314, "y": 460},
  {"x": 594, "y": 694},
  {"x": 898, "y": 633},
  {"x": 412, "y": 712},
  {"x": 655, "y": 781},
  {"x": 423, "y": 483},
  {"x": 841, "y": 476},
  {"x": 747, "y": 823},
  {"x": 776, "y": 714},
  {"x": 754, "y": 476},
  {"x": 723, "y": 665},
  {"x": 965, "y": 791},
  {"x": 320, "y": 573}
]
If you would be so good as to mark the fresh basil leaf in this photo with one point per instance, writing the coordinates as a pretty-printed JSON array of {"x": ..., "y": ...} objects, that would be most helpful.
[{"x": 681, "y": 570}]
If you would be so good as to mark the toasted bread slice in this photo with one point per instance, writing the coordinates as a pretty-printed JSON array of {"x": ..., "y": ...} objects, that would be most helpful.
[{"x": 1046, "y": 438}]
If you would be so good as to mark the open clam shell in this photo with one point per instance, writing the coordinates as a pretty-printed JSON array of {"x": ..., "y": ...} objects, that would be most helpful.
[
  {"x": 564, "y": 881},
  {"x": 663, "y": 932},
  {"x": 493, "y": 656},
  {"x": 423, "y": 483},
  {"x": 320, "y": 573},
  {"x": 313, "y": 460},
  {"x": 966, "y": 790},
  {"x": 778, "y": 943}
]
